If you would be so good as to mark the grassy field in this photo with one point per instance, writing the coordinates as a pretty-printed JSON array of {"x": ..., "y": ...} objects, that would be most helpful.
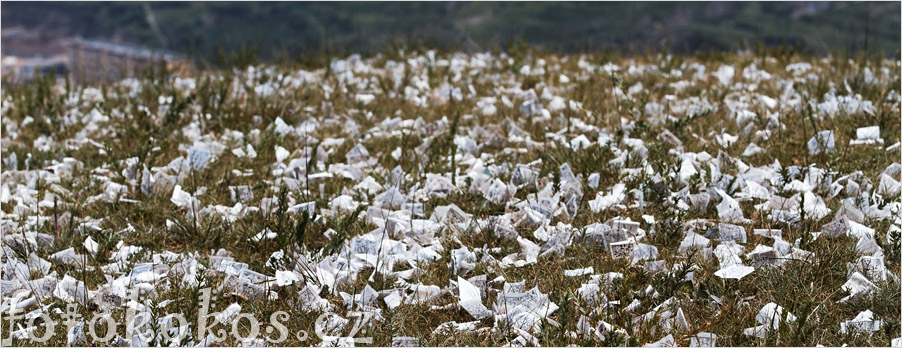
[{"x": 123, "y": 164}]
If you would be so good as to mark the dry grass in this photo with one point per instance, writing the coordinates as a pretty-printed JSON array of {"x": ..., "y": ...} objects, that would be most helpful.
[{"x": 810, "y": 290}]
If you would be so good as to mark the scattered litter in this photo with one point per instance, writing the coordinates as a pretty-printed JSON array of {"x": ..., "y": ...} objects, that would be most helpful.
[{"x": 525, "y": 172}]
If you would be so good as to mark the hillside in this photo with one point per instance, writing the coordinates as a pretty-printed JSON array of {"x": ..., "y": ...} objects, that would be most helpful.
[{"x": 278, "y": 29}]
